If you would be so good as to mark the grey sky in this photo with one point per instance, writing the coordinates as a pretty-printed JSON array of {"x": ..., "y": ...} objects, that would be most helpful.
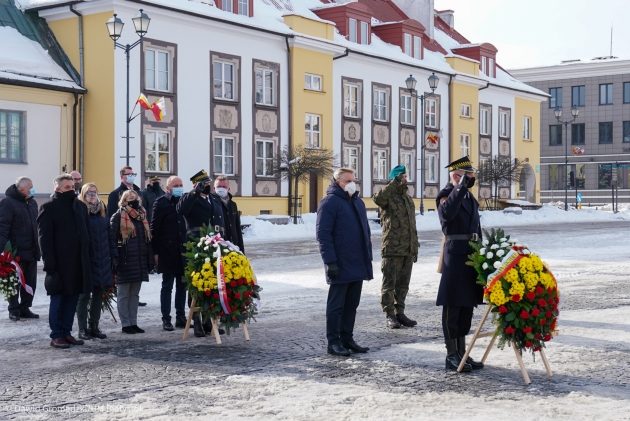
[{"x": 531, "y": 33}]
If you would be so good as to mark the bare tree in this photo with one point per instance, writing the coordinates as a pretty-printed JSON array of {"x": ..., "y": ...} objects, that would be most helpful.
[
  {"x": 299, "y": 164},
  {"x": 500, "y": 171}
]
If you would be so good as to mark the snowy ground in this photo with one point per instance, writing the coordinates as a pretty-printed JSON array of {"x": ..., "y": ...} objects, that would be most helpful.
[{"x": 284, "y": 372}]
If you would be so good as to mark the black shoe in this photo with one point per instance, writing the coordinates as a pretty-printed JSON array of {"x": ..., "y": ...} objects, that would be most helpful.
[
  {"x": 452, "y": 362},
  {"x": 199, "y": 332},
  {"x": 137, "y": 329},
  {"x": 338, "y": 349},
  {"x": 129, "y": 329},
  {"x": 355, "y": 347},
  {"x": 16, "y": 317},
  {"x": 28, "y": 314},
  {"x": 140, "y": 304},
  {"x": 96, "y": 333},
  {"x": 72, "y": 341},
  {"x": 405, "y": 321},
  {"x": 84, "y": 334},
  {"x": 461, "y": 350},
  {"x": 180, "y": 322},
  {"x": 167, "y": 325},
  {"x": 392, "y": 322},
  {"x": 59, "y": 343}
]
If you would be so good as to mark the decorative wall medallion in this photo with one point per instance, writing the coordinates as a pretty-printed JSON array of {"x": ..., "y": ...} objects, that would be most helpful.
[
  {"x": 266, "y": 122},
  {"x": 381, "y": 135},
  {"x": 504, "y": 193},
  {"x": 430, "y": 192},
  {"x": 484, "y": 192},
  {"x": 504, "y": 148},
  {"x": 225, "y": 117},
  {"x": 352, "y": 131},
  {"x": 485, "y": 146},
  {"x": 266, "y": 188},
  {"x": 408, "y": 138}
]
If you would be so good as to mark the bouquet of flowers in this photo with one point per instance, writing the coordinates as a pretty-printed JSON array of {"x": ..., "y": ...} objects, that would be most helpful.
[
  {"x": 108, "y": 298},
  {"x": 520, "y": 288},
  {"x": 221, "y": 280},
  {"x": 11, "y": 274}
]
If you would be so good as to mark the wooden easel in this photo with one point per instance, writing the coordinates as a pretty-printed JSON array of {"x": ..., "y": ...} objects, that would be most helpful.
[
  {"x": 494, "y": 334},
  {"x": 215, "y": 324}
]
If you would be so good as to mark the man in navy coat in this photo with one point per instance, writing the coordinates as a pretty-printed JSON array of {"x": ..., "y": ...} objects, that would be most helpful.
[
  {"x": 343, "y": 234},
  {"x": 458, "y": 293}
]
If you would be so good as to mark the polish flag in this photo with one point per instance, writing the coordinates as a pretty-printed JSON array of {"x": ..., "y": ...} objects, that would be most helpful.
[
  {"x": 144, "y": 102},
  {"x": 158, "y": 108}
]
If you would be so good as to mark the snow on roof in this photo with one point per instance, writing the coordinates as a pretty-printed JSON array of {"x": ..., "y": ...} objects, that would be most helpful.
[{"x": 22, "y": 59}]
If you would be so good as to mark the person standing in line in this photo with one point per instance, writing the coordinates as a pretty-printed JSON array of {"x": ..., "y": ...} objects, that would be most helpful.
[
  {"x": 399, "y": 248},
  {"x": 150, "y": 194},
  {"x": 233, "y": 232},
  {"x": 65, "y": 244},
  {"x": 77, "y": 180},
  {"x": 168, "y": 235},
  {"x": 90, "y": 303},
  {"x": 344, "y": 240},
  {"x": 131, "y": 253},
  {"x": 459, "y": 292},
  {"x": 18, "y": 226}
]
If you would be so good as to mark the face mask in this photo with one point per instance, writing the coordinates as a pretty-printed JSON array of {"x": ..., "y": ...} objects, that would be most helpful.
[
  {"x": 68, "y": 194},
  {"x": 206, "y": 189},
  {"x": 77, "y": 186},
  {"x": 32, "y": 192},
  {"x": 130, "y": 179},
  {"x": 134, "y": 204},
  {"x": 351, "y": 188},
  {"x": 156, "y": 185},
  {"x": 471, "y": 182},
  {"x": 177, "y": 191},
  {"x": 221, "y": 191}
]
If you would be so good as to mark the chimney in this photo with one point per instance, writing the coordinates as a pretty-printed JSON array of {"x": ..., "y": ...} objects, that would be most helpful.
[
  {"x": 420, "y": 10},
  {"x": 447, "y": 16}
]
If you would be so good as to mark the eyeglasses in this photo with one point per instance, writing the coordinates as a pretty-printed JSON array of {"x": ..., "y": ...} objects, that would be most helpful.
[
  {"x": 77, "y": 179},
  {"x": 131, "y": 173},
  {"x": 91, "y": 193}
]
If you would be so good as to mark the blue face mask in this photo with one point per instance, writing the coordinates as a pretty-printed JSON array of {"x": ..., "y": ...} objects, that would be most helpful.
[
  {"x": 131, "y": 179},
  {"x": 177, "y": 191},
  {"x": 32, "y": 192}
]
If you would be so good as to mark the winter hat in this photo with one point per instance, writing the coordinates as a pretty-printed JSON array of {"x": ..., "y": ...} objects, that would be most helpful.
[{"x": 396, "y": 171}]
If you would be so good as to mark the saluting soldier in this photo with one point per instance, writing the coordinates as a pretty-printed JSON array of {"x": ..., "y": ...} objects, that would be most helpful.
[{"x": 458, "y": 293}]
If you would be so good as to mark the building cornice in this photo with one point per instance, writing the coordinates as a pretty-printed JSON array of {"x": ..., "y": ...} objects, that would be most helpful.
[{"x": 571, "y": 70}]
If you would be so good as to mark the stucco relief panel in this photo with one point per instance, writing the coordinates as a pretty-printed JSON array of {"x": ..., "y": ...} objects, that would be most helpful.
[
  {"x": 225, "y": 117},
  {"x": 408, "y": 138},
  {"x": 380, "y": 135},
  {"x": 266, "y": 121},
  {"x": 352, "y": 131},
  {"x": 266, "y": 188}
]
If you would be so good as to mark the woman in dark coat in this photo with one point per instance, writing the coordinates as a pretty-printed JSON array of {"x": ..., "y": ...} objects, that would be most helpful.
[
  {"x": 100, "y": 264},
  {"x": 343, "y": 234},
  {"x": 131, "y": 254}
]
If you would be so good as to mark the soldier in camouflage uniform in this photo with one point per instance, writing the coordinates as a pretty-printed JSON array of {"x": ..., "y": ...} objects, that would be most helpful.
[{"x": 400, "y": 246}]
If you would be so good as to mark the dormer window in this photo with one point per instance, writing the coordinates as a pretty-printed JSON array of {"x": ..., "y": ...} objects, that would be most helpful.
[
  {"x": 352, "y": 30},
  {"x": 358, "y": 31},
  {"x": 226, "y": 6},
  {"x": 412, "y": 45},
  {"x": 365, "y": 33},
  {"x": 239, "y": 7}
]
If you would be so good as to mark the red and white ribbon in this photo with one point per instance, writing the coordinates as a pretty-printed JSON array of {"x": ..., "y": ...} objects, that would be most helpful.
[
  {"x": 223, "y": 297},
  {"x": 21, "y": 277}
]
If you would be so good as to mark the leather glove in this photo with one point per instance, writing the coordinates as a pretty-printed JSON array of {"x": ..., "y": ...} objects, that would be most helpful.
[
  {"x": 332, "y": 270},
  {"x": 467, "y": 181}
]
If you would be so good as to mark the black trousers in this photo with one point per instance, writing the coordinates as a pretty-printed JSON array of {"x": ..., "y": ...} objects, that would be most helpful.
[
  {"x": 25, "y": 300},
  {"x": 341, "y": 311},
  {"x": 456, "y": 321}
]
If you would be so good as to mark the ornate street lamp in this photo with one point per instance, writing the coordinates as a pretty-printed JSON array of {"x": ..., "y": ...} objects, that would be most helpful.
[{"x": 574, "y": 114}]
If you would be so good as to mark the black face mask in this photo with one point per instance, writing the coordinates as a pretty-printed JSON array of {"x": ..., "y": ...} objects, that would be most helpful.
[
  {"x": 134, "y": 204},
  {"x": 471, "y": 182},
  {"x": 77, "y": 186},
  {"x": 206, "y": 189},
  {"x": 67, "y": 195},
  {"x": 156, "y": 185}
]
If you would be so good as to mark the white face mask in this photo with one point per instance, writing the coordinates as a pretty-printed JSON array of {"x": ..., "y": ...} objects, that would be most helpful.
[
  {"x": 351, "y": 188},
  {"x": 130, "y": 179},
  {"x": 221, "y": 192}
]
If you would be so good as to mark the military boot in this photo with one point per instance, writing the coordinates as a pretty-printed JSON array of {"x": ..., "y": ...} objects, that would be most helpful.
[
  {"x": 461, "y": 350},
  {"x": 452, "y": 357},
  {"x": 197, "y": 326}
]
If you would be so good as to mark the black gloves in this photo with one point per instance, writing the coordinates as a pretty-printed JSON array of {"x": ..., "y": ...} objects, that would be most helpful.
[
  {"x": 332, "y": 270},
  {"x": 467, "y": 181}
]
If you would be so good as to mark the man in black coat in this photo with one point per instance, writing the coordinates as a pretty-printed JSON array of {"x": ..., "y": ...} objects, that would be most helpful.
[
  {"x": 199, "y": 207},
  {"x": 150, "y": 193},
  {"x": 168, "y": 235},
  {"x": 127, "y": 178},
  {"x": 65, "y": 243},
  {"x": 459, "y": 292},
  {"x": 18, "y": 225},
  {"x": 233, "y": 232}
]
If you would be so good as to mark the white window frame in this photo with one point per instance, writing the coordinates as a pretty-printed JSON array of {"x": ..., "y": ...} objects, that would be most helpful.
[
  {"x": 430, "y": 112},
  {"x": 243, "y": 7},
  {"x": 352, "y": 30},
  {"x": 380, "y": 108},
  {"x": 157, "y": 152},
  {"x": 379, "y": 164},
  {"x": 224, "y": 157},
  {"x": 484, "y": 121},
  {"x": 365, "y": 32},
  {"x": 484, "y": 65},
  {"x": 264, "y": 162},
  {"x": 223, "y": 82},
  {"x": 156, "y": 71},
  {"x": 268, "y": 92},
  {"x": 527, "y": 127},
  {"x": 351, "y": 157},
  {"x": 491, "y": 68},
  {"x": 351, "y": 90},
  {"x": 406, "y": 109},
  {"x": 227, "y": 6},
  {"x": 417, "y": 47},
  {"x": 465, "y": 110},
  {"x": 432, "y": 171},
  {"x": 312, "y": 137},
  {"x": 407, "y": 159},
  {"x": 407, "y": 44},
  {"x": 310, "y": 82},
  {"x": 464, "y": 144},
  {"x": 504, "y": 123}
]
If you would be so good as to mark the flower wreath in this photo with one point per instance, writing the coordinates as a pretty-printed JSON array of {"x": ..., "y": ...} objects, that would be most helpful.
[
  {"x": 520, "y": 288},
  {"x": 11, "y": 275}
]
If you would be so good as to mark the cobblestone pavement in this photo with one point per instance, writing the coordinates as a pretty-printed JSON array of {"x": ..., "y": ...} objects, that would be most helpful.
[{"x": 292, "y": 343}]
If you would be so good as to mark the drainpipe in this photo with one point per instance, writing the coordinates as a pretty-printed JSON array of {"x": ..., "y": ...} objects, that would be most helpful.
[
  {"x": 82, "y": 107},
  {"x": 290, "y": 139},
  {"x": 342, "y": 56},
  {"x": 74, "y": 130}
]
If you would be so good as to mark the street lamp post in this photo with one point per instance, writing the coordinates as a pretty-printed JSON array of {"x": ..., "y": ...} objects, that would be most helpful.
[
  {"x": 411, "y": 86},
  {"x": 574, "y": 114},
  {"x": 114, "y": 28}
]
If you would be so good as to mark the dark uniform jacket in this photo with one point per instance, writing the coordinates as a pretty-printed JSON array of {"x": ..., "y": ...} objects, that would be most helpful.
[
  {"x": 233, "y": 231},
  {"x": 198, "y": 211},
  {"x": 65, "y": 244},
  {"x": 114, "y": 198},
  {"x": 149, "y": 196},
  {"x": 459, "y": 215},
  {"x": 398, "y": 218},
  {"x": 343, "y": 234},
  {"x": 18, "y": 224},
  {"x": 168, "y": 235}
]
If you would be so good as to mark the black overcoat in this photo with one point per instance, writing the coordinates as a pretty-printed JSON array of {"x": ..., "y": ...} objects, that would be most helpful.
[
  {"x": 18, "y": 224},
  {"x": 100, "y": 254},
  {"x": 233, "y": 232},
  {"x": 459, "y": 214},
  {"x": 134, "y": 257},
  {"x": 198, "y": 211},
  {"x": 168, "y": 235}
]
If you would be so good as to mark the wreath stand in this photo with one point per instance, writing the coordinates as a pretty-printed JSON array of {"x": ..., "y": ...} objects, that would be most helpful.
[
  {"x": 215, "y": 324},
  {"x": 494, "y": 334}
]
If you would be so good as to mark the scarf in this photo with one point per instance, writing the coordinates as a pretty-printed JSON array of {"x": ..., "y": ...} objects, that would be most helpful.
[
  {"x": 127, "y": 229},
  {"x": 94, "y": 208}
]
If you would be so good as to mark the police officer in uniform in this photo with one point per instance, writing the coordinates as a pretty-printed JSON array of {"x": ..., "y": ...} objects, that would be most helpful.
[{"x": 458, "y": 293}]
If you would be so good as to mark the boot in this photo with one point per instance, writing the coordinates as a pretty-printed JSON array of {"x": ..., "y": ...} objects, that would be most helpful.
[
  {"x": 392, "y": 322},
  {"x": 167, "y": 325},
  {"x": 452, "y": 357},
  {"x": 461, "y": 350},
  {"x": 405, "y": 321},
  {"x": 84, "y": 334},
  {"x": 199, "y": 332},
  {"x": 96, "y": 332},
  {"x": 180, "y": 322}
]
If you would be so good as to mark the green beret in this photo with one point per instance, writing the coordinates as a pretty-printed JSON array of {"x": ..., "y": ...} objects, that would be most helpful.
[{"x": 396, "y": 171}]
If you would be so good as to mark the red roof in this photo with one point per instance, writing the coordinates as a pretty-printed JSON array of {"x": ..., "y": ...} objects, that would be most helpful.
[
  {"x": 443, "y": 26},
  {"x": 385, "y": 10}
]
